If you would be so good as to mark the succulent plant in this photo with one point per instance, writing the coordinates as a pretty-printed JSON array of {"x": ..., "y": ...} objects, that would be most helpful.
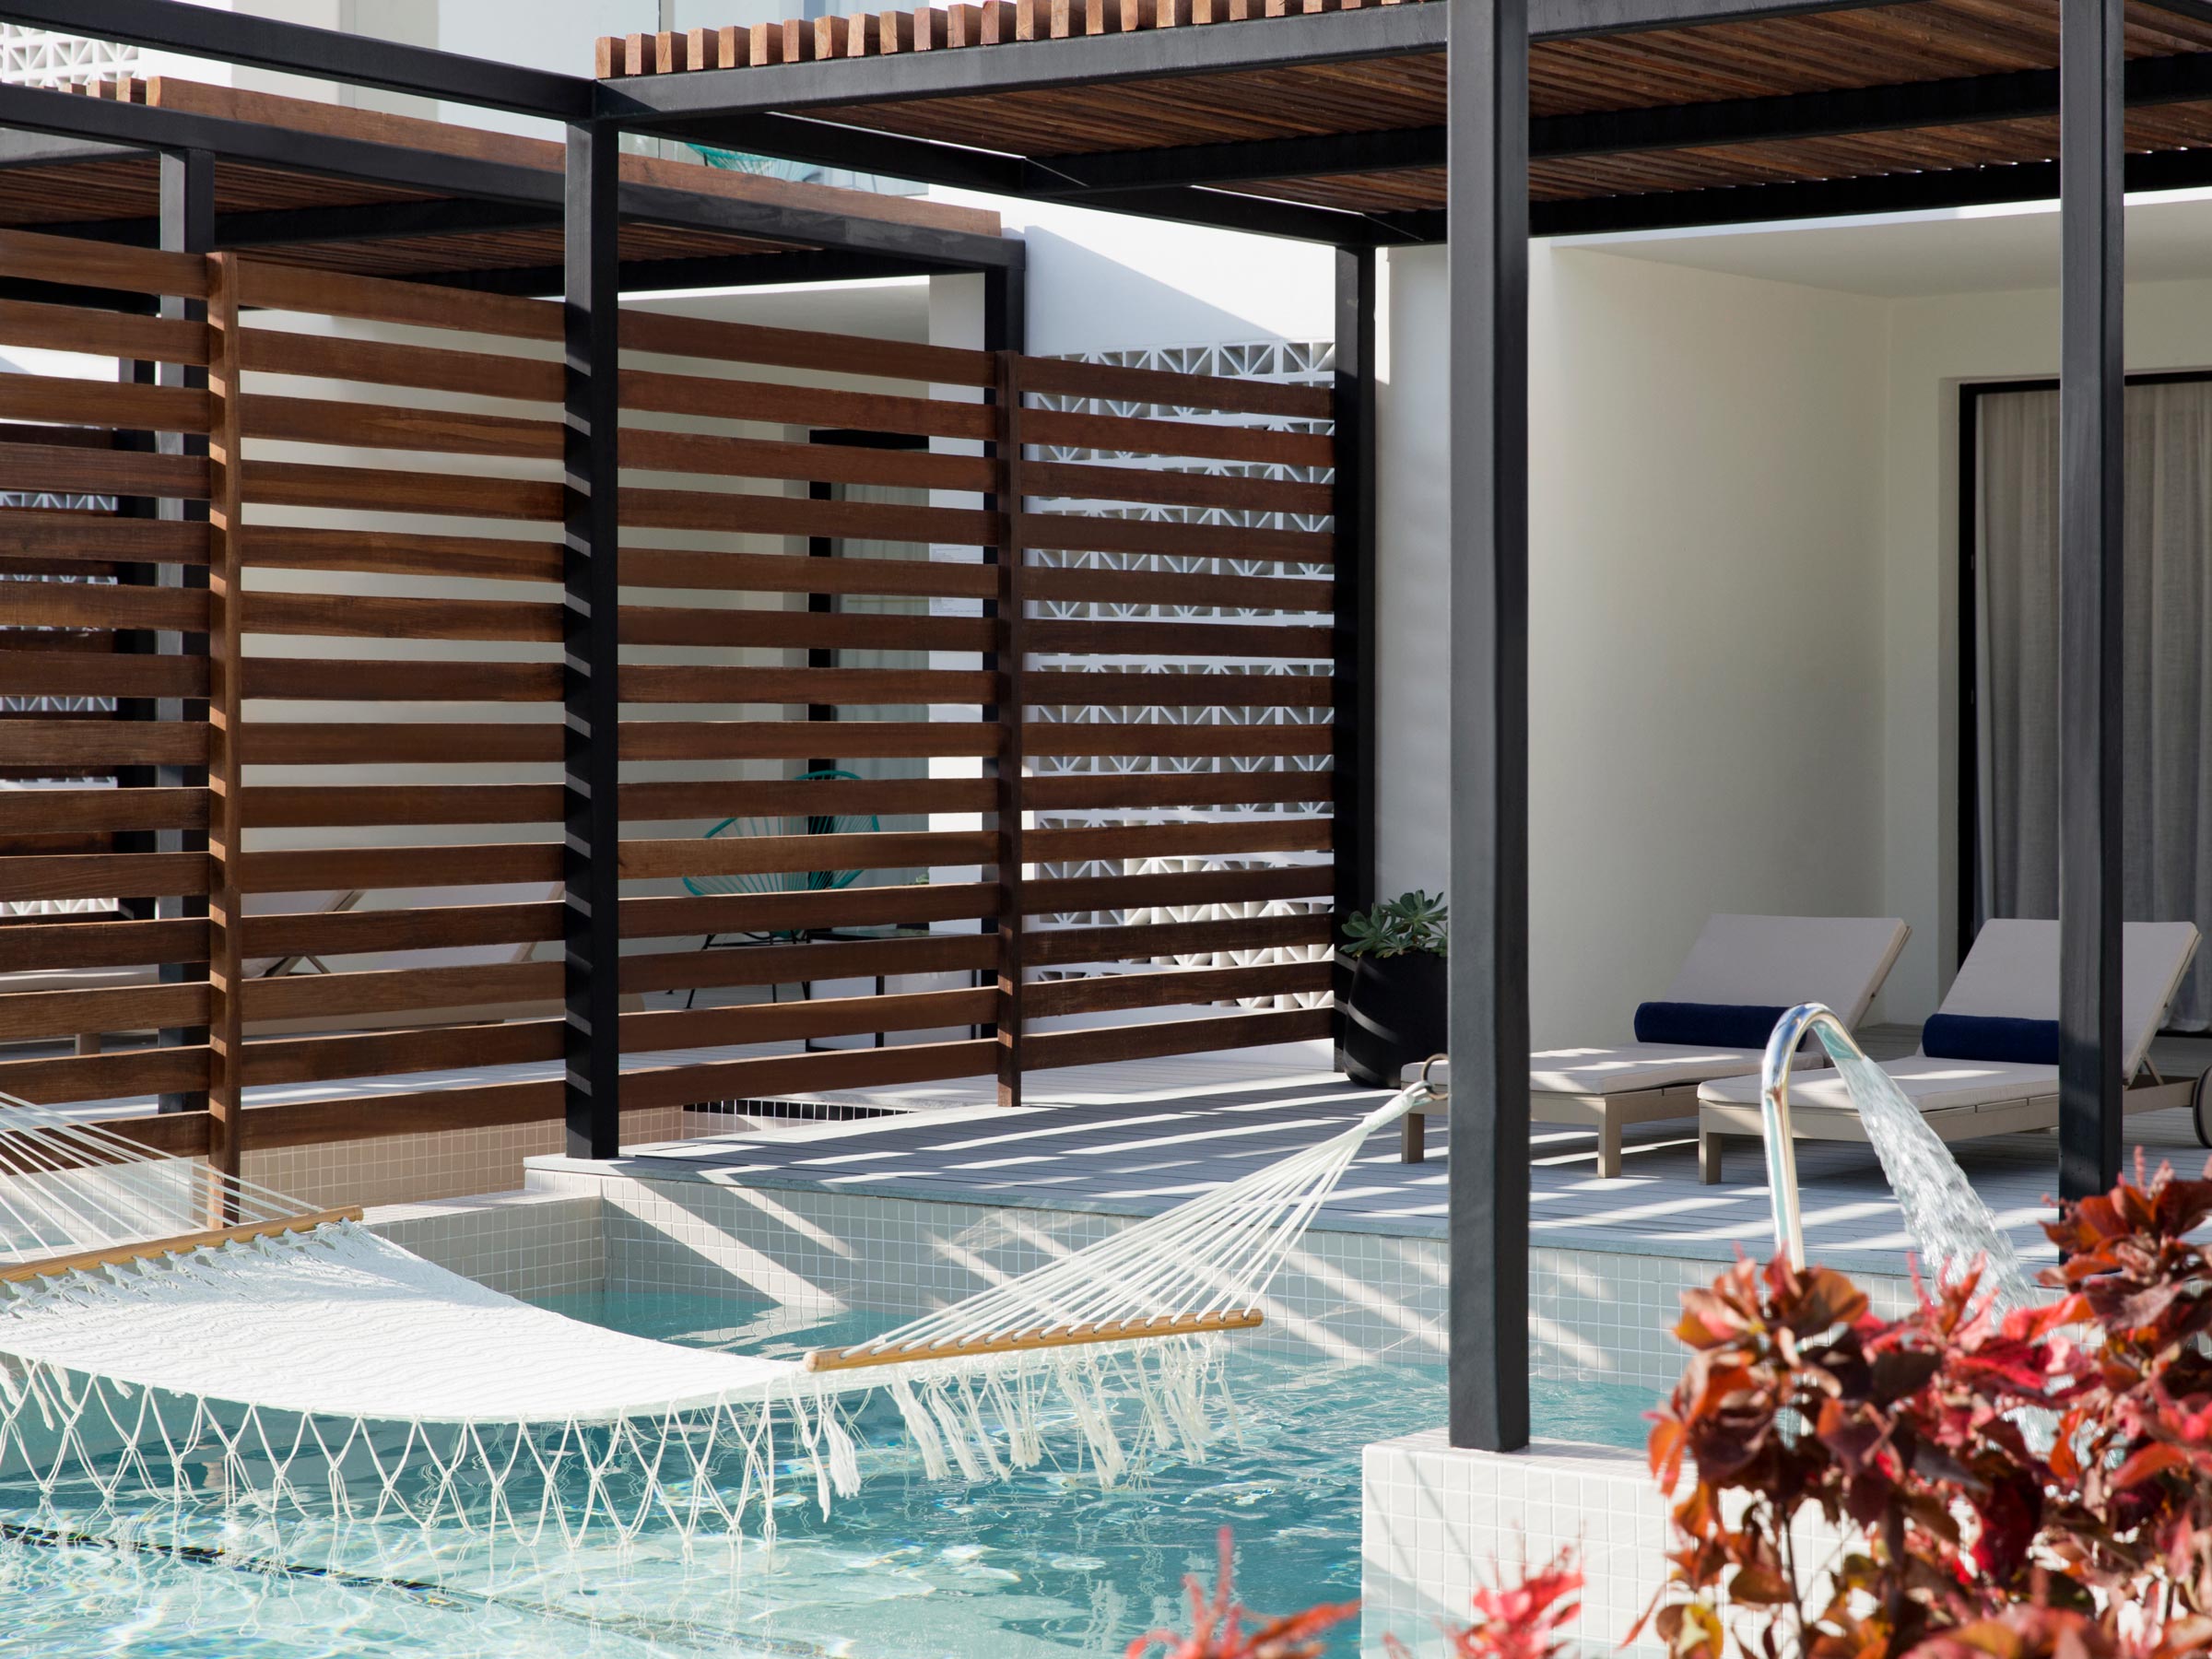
[{"x": 1412, "y": 921}]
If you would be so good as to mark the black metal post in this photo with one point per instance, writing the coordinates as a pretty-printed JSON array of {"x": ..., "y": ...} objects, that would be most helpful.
[
  {"x": 593, "y": 827},
  {"x": 1488, "y": 202},
  {"x": 1007, "y": 332},
  {"x": 187, "y": 199},
  {"x": 2092, "y": 383},
  {"x": 1353, "y": 509}
]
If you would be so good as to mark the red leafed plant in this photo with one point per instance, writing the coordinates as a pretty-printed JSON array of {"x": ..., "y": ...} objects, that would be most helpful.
[
  {"x": 1217, "y": 1621},
  {"x": 2011, "y": 1485},
  {"x": 1526, "y": 1618}
]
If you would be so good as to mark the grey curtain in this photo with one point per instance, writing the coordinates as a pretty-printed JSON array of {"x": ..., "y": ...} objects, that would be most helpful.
[{"x": 2168, "y": 711}]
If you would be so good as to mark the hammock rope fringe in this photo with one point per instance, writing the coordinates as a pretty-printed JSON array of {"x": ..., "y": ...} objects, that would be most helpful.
[{"x": 169, "y": 1333}]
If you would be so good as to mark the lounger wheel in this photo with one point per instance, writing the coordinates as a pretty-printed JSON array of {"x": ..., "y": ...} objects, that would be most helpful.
[{"x": 2200, "y": 1108}]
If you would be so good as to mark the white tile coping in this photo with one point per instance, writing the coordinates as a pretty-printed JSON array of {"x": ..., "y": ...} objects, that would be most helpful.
[{"x": 1436, "y": 1521}]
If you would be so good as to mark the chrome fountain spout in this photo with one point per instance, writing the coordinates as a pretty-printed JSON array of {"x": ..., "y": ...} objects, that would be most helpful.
[{"x": 1774, "y": 1115}]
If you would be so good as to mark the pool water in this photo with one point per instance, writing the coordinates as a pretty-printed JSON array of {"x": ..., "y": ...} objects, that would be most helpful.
[{"x": 1043, "y": 1564}]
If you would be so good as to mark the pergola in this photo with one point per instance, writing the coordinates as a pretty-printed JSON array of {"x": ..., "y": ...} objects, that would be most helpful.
[{"x": 1361, "y": 126}]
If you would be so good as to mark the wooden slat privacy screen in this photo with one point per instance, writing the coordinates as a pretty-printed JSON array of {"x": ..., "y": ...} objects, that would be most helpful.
[{"x": 944, "y": 754}]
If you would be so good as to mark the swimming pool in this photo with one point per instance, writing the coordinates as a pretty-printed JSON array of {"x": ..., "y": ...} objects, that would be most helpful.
[{"x": 1044, "y": 1564}]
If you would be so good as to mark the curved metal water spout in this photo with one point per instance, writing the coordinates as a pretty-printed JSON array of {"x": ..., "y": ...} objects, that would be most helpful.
[{"x": 1774, "y": 1116}]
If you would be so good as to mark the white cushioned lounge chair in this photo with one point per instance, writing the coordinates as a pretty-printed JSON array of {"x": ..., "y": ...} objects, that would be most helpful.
[
  {"x": 1711, "y": 1021},
  {"x": 1993, "y": 1069}
]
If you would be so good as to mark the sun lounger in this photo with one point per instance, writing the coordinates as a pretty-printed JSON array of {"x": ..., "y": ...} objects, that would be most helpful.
[
  {"x": 1988, "y": 1061},
  {"x": 1711, "y": 1021}
]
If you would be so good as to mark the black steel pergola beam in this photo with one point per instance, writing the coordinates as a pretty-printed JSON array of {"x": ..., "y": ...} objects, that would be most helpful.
[
  {"x": 442, "y": 174},
  {"x": 704, "y": 271},
  {"x": 347, "y": 222},
  {"x": 642, "y": 104},
  {"x": 1837, "y": 198},
  {"x": 357, "y": 59},
  {"x": 1083, "y": 179}
]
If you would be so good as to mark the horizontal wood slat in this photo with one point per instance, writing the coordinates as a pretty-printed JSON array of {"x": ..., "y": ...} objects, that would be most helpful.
[
  {"x": 786, "y": 573},
  {"x": 704, "y": 337},
  {"x": 301, "y": 742},
  {"x": 801, "y": 740},
  {"x": 678, "y": 683},
  {"x": 1078, "y": 792},
  {"x": 769, "y": 854},
  {"x": 400, "y": 553},
  {"x": 783, "y": 1074},
  {"x": 396, "y": 1054},
  {"x": 262, "y": 284},
  {"x": 1179, "y": 587},
  {"x": 797, "y": 1021},
  {"x": 384, "y": 363},
  {"x": 1079, "y": 894},
  {"x": 103, "y": 742},
  {"x": 120, "y": 404},
  {"x": 779, "y": 405},
  {"x": 103, "y": 334},
  {"x": 385, "y": 617},
  {"x": 373, "y": 426},
  {"x": 105, "y": 876},
  {"x": 269, "y": 807},
  {"x": 751, "y": 513},
  {"x": 324, "y": 680},
  {"x": 362, "y": 931},
  {"x": 98, "y": 673},
  {"x": 1048, "y": 1050},
  {"x": 378, "y": 1116},
  {"x": 765, "y": 913},
  {"x": 1054, "y": 947},
  {"x": 63, "y": 469},
  {"x": 56, "y": 1082},
  {"x": 648, "y": 449},
  {"x": 29, "y": 1015},
  {"x": 399, "y": 490},
  {"x": 64, "y": 811},
  {"x": 1102, "y": 638},
  {"x": 1114, "y": 992},
  {"x": 342, "y": 869},
  {"x": 1047, "y": 690},
  {"x": 710, "y": 625},
  {"x": 74, "y": 261},
  {"x": 58, "y": 947},
  {"x": 60, "y": 536},
  {"x": 1057, "y": 738},
  {"x": 105, "y": 606},
  {"x": 1132, "y": 435},
  {"x": 1180, "y": 840},
  {"x": 387, "y": 991},
  {"x": 1089, "y": 533},
  {"x": 786, "y": 964},
  {"x": 645, "y": 803}
]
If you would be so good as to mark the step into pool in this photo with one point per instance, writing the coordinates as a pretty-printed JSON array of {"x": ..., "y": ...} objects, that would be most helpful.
[{"x": 1046, "y": 1563}]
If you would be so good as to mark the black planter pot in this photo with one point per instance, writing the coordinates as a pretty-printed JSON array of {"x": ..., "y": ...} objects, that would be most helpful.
[{"x": 1395, "y": 1013}]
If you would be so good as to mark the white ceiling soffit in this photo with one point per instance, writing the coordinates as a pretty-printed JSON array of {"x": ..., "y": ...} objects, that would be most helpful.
[{"x": 1949, "y": 251}]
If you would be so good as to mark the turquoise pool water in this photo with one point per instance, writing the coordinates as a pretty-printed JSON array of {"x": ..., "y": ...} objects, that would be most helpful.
[{"x": 1045, "y": 1564}]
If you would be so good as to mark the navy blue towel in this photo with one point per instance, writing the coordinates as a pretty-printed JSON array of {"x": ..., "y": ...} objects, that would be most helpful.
[
  {"x": 1707, "y": 1024},
  {"x": 1990, "y": 1037}
]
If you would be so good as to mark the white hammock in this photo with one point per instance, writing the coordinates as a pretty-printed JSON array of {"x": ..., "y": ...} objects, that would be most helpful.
[{"x": 288, "y": 1359}]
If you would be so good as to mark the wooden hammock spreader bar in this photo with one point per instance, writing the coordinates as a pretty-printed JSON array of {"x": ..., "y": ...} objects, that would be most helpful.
[
  {"x": 1038, "y": 1337},
  {"x": 115, "y": 1255}
]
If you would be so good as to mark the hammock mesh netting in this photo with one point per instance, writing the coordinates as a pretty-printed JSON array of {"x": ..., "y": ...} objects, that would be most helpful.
[{"x": 286, "y": 1360}]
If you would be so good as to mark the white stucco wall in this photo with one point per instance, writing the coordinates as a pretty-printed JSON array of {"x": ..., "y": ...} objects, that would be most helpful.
[{"x": 1707, "y": 696}]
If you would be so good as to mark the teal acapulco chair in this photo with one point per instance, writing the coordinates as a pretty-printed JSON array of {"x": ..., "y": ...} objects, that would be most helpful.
[{"x": 784, "y": 881}]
